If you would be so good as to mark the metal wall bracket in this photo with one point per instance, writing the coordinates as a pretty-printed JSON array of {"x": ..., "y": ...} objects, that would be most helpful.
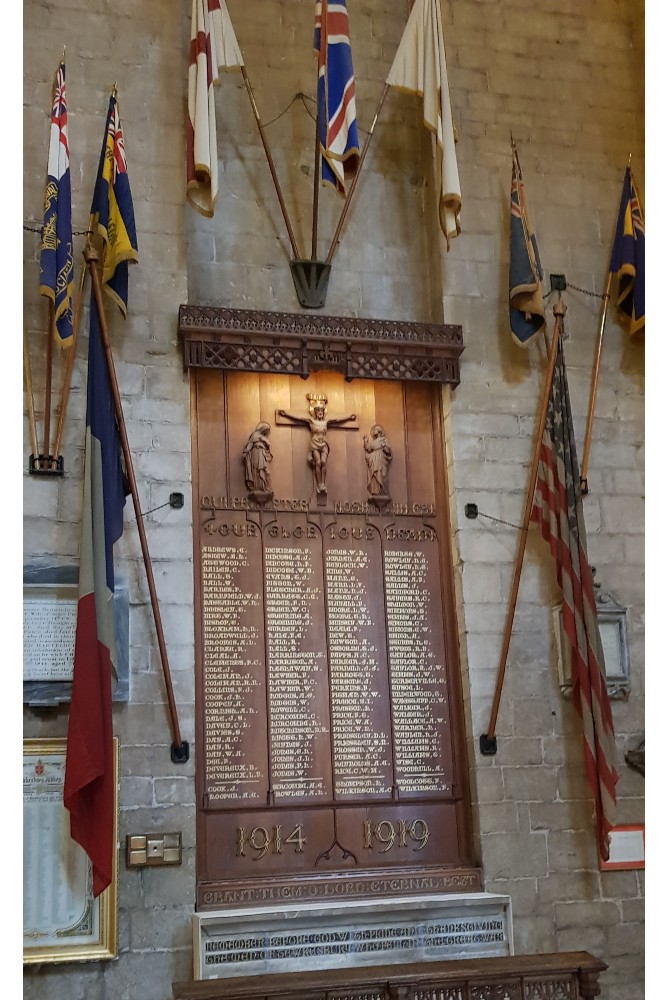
[{"x": 311, "y": 282}]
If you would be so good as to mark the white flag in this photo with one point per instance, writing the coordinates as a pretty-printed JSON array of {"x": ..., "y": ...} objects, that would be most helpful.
[
  {"x": 420, "y": 68},
  {"x": 213, "y": 46}
]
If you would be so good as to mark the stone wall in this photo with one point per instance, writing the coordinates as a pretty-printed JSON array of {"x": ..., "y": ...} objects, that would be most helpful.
[{"x": 567, "y": 80}]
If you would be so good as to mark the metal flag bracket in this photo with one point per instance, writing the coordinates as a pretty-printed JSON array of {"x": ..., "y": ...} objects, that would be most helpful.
[{"x": 311, "y": 281}]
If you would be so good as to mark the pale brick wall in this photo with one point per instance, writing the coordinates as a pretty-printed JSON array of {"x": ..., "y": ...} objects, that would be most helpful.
[{"x": 567, "y": 79}]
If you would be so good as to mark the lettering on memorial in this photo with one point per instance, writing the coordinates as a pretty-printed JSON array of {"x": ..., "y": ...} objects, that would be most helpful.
[
  {"x": 48, "y": 639},
  {"x": 389, "y": 834},
  {"x": 262, "y": 840}
]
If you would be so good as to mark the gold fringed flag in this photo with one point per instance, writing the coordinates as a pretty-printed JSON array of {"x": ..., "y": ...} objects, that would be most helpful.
[
  {"x": 419, "y": 67},
  {"x": 113, "y": 211},
  {"x": 627, "y": 257},
  {"x": 558, "y": 510},
  {"x": 56, "y": 268},
  {"x": 213, "y": 46},
  {"x": 526, "y": 302}
]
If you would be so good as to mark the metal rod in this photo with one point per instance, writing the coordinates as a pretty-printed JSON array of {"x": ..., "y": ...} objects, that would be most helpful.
[
  {"x": 31, "y": 402},
  {"x": 91, "y": 256},
  {"x": 594, "y": 387},
  {"x": 559, "y": 312},
  {"x": 269, "y": 158},
  {"x": 348, "y": 199},
  {"x": 47, "y": 382}
]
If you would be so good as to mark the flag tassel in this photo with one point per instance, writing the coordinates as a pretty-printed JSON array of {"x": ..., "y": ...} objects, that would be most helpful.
[
  {"x": 487, "y": 740},
  {"x": 583, "y": 480},
  {"x": 269, "y": 159},
  {"x": 179, "y": 749},
  {"x": 355, "y": 179},
  {"x": 69, "y": 364},
  {"x": 31, "y": 402}
]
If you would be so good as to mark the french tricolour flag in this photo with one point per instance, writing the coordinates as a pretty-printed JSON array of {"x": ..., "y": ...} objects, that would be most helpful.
[
  {"x": 89, "y": 791},
  {"x": 336, "y": 110}
]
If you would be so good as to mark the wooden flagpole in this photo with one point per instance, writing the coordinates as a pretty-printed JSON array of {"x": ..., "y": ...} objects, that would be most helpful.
[
  {"x": 31, "y": 402},
  {"x": 179, "y": 749},
  {"x": 348, "y": 199},
  {"x": 488, "y": 740},
  {"x": 47, "y": 380},
  {"x": 583, "y": 480},
  {"x": 269, "y": 159},
  {"x": 316, "y": 175}
]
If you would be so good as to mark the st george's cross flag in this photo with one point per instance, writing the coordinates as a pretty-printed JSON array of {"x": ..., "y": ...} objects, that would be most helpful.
[
  {"x": 526, "y": 304},
  {"x": 56, "y": 268},
  {"x": 213, "y": 46},
  {"x": 336, "y": 107},
  {"x": 419, "y": 67},
  {"x": 113, "y": 212},
  {"x": 89, "y": 769},
  {"x": 627, "y": 257},
  {"x": 558, "y": 510}
]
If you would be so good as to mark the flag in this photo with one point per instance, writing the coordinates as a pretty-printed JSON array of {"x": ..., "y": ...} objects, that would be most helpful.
[
  {"x": 627, "y": 257},
  {"x": 56, "y": 268},
  {"x": 113, "y": 211},
  {"x": 558, "y": 509},
  {"x": 89, "y": 773},
  {"x": 213, "y": 46},
  {"x": 526, "y": 302},
  {"x": 419, "y": 67},
  {"x": 336, "y": 108}
]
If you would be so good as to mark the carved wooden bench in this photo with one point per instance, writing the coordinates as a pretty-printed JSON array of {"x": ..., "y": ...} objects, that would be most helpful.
[{"x": 569, "y": 975}]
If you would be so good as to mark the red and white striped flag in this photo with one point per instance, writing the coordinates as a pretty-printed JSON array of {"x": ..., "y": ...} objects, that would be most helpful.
[
  {"x": 213, "y": 46},
  {"x": 558, "y": 509}
]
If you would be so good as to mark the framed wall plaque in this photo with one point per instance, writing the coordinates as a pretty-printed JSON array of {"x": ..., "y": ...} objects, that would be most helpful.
[{"x": 62, "y": 921}]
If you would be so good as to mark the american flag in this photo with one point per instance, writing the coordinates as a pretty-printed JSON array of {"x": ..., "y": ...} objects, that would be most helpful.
[
  {"x": 557, "y": 508},
  {"x": 336, "y": 109}
]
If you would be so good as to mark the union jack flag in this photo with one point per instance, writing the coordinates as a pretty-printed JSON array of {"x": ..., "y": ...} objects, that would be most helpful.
[
  {"x": 336, "y": 109},
  {"x": 558, "y": 509},
  {"x": 627, "y": 257},
  {"x": 56, "y": 267}
]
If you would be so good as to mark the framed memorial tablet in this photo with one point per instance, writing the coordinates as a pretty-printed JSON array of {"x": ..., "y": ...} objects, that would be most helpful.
[{"x": 62, "y": 922}]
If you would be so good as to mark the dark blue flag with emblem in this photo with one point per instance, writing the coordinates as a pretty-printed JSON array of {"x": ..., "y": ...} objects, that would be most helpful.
[
  {"x": 56, "y": 268},
  {"x": 627, "y": 257},
  {"x": 525, "y": 299},
  {"x": 113, "y": 211}
]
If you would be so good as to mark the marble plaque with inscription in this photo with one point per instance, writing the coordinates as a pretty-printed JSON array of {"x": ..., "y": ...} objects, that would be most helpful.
[{"x": 329, "y": 707}]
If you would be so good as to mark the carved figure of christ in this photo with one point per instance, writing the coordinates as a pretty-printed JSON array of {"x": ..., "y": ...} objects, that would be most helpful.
[{"x": 318, "y": 423}]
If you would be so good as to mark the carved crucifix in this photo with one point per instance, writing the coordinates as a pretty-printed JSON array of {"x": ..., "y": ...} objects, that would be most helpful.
[{"x": 319, "y": 424}]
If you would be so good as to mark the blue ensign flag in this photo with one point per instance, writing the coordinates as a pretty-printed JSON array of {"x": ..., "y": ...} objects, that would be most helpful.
[
  {"x": 627, "y": 257},
  {"x": 526, "y": 304},
  {"x": 56, "y": 268}
]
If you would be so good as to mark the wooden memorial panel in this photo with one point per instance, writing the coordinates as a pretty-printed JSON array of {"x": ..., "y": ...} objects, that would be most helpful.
[{"x": 329, "y": 711}]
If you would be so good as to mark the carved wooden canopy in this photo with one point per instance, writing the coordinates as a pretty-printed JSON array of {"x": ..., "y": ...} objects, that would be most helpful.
[{"x": 299, "y": 344}]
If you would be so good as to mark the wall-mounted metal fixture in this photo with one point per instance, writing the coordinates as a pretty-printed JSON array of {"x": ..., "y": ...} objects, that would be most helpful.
[
  {"x": 153, "y": 849},
  {"x": 612, "y": 622}
]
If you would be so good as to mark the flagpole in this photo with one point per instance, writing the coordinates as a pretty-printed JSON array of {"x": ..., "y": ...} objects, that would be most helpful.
[
  {"x": 487, "y": 740},
  {"x": 348, "y": 199},
  {"x": 316, "y": 187},
  {"x": 269, "y": 158},
  {"x": 31, "y": 402},
  {"x": 47, "y": 384},
  {"x": 179, "y": 749},
  {"x": 583, "y": 480}
]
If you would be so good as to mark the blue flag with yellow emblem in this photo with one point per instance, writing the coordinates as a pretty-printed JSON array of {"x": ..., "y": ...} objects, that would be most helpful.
[
  {"x": 56, "y": 268},
  {"x": 113, "y": 211},
  {"x": 526, "y": 301},
  {"x": 627, "y": 257}
]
